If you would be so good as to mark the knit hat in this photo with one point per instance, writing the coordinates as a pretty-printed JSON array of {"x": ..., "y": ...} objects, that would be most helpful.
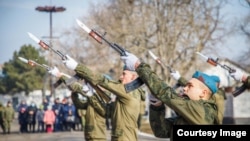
[{"x": 209, "y": 81}]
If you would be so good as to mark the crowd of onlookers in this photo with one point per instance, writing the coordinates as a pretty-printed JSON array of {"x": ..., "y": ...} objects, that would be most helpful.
[
  {"x": 47, "y": 117},
  {"x": 60, "y": 115}
]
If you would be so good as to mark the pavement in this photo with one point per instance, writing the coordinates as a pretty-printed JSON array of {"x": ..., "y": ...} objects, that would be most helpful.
[{"x": 61, "y": 136}]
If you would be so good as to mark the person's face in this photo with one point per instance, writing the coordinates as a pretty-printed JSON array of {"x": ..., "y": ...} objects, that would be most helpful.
[
  {"x": 194, "y": 89},
  {"x": 127, "y": 77}
]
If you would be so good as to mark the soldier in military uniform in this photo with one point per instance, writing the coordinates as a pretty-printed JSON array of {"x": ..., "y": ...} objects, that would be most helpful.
[
  {"x": 95, "y": 129},
  {"x": 2, "y": 113},
  {"x": 127, "y": 104},
  {"x": 9, "y": 116},
  {"x": 219, "y": 97},
  {"x": 194, "y": 107}
]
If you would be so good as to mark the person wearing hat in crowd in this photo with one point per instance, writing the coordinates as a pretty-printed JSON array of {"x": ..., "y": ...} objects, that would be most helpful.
[
  {"x": 9, "y": 116},
  {"x": 127, "y": 104},
  {"x": 94, "y": 109},
  {"x": 241, "y": 77},
  {"x": 194, "y": 107}
]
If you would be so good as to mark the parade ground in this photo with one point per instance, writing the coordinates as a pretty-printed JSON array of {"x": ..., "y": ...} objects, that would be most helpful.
[{"x": 67, "y": 135}]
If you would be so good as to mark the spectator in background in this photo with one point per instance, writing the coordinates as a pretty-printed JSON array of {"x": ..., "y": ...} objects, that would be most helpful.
[
  {"x": 57, "y": 108},
  {"x": 64, "y": 113},
  {"x": 22, "y": 120},
  {"x": 23, "y": 104},
  {"x": 45, "y": 104},
  {"x": 9, "y": 116},
  {"x": 39, "y": 119},
  {"x": 22, "y": 116},
  {"x": 31, "y": 120},
  {"x": 49, "y": 119},
  {"x": 70, "y": 115}
]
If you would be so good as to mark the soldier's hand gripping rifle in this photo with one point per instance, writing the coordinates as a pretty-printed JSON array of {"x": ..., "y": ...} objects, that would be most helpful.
[
  {"x": 63, "y": 57},
  {"x": 158, "y": 61},
  {"x": 215, "y": 62},
  {"x": 99, "y": 38}
]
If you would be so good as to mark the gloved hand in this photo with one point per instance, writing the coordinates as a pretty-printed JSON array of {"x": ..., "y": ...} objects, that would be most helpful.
[
  {"x": 130, "y": 61},
  {"x": 237, "y": 75},
  {"x": 70, "y": 63},
  {"x": 55, "y": 72},
  {"x": 176, "y": 75},
  {"x": 154, "y": 101},
  {"x": 87, "y": 90}
]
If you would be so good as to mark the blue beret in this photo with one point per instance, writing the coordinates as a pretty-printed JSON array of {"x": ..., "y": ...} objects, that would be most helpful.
[{"x": 209, "y": 81}]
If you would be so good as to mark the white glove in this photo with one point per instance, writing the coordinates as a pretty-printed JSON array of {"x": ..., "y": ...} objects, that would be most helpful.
[
  {"x": 70, "y": 63},
  {"x": 129, "y": 60},
  {"x": 55, "y": 72},
  {"x": 85, "y": 88},
  {"x": 237, "y": 75},
  {"x": 176, "y": 75}
]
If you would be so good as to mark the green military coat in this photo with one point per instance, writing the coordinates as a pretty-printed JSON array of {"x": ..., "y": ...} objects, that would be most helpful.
[
  {"x": 189, "y": 112},
  {"x": 127, "y": 105},
  {"x": 95, "y": 127}
]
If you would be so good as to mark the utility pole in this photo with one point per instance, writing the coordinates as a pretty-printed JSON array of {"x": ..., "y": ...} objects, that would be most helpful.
[{"x": 50, "y": 10}]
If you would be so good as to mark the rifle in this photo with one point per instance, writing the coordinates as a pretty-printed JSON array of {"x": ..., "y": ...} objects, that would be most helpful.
[
  {"x": 46, "y": 46},
  {"x": 34, "y": 63},
  {"x": 98, "y": 37},
  {"x": 158, "y": 61},
  {"x": 63, "y": 57},
  {"x": 215, "y": 62}
]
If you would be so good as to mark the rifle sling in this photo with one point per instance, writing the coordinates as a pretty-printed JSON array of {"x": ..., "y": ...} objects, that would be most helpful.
[{"x": 133, "y": 85}]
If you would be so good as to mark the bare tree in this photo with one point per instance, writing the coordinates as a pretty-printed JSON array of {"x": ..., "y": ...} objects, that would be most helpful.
[
  {"x": 245, "y": 29},
  {"x": 173, "y": 29}
]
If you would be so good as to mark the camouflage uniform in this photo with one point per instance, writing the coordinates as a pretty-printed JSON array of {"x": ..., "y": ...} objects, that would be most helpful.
[
  {"x": 95, "y": 128},
  {"x": 189, "y": 112},
  {"x": 127, "y": 105},
  {"x": 2, "y": 113},
  {"x": 219, "y": 99},
  {"x": 9, "y": 116}
]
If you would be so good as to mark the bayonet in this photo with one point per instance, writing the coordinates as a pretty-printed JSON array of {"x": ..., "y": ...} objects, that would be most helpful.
[
  {"x": 157, "y": 59},
  {"x": 45, "y": 45},
  {"x": 99, "y": 38}
]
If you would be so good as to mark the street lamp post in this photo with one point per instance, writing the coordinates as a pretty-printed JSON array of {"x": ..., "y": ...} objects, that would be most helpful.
[{"x": 50, "y": 10}]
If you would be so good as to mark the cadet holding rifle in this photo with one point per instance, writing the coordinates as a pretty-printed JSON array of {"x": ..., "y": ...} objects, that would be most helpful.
[
  {"x": 95, "y": 128},
  {"x": 194, "y": 107},
  {"x": 219, "y": 97},
  {"x": 127, "y": 104}
]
